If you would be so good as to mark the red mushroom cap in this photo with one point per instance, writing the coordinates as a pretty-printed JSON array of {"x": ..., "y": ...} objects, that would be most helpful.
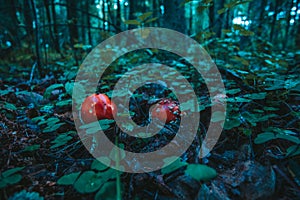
[
  {"x": 166, "y": 110},
  {"x": 97, "y": 106}
]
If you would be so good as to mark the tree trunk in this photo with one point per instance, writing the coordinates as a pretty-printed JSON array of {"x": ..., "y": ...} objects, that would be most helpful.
[
  {"x": 37, "y": 38},
  {"x": 88, "y": 23},
  {"x": 72, "y": 24},
  {"x": 288, "y": 24},
  {"x": 218, "y": 25},
  {"x": 118, "y": 17},
  {"x": 261, "y": 20},
  {"x": 174, "y": 16},
  {"x": 55, "y": 31},
  {"x": 274, "y": 20}
]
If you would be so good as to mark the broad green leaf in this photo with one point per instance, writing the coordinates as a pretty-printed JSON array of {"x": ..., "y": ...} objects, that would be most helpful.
[
  {"x": 267, "y": 136},
  {"x": 69, "y": 88},
  {"x": 232, "y": 123},
  {"x": 68, "y": 179},
  {"x": 15, "y": 178},
  {"x": 12, "y": 179},
  {"x": 107, "y": 191},
  {"x": 200, "y": 172},
  {"x": 11, "y": 171},
  {"x": 99, "y": 166},
  {"x": 3, "y": 184},
  {"x": 88, "y": 182},
  {"x": 173, "y": 166},
  {"x": 288, "y": 137}
]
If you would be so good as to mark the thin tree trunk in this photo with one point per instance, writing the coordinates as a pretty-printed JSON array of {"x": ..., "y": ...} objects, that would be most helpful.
[
  {"x": 261, "y": 20},
  {"x": 288, "y": 24},
  {"x": 174, "y": 21},
  {"x": 212, "y": 16},
  {"x": 274, "y": 21},
  {"x": 104, "y": 15},
  {"x": 118, "y": 18},
  {"x": 55, "y": 31},
  {"x": 48, "y": 14},
  {"x": 37, "y": 38},
  {"x": 72, "y": 23},
  {"x": 88, "y": 23}
]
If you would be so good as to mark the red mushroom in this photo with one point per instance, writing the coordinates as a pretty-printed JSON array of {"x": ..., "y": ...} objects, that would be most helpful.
[
  {"x": 97, "y": 106},
  {"x": 166, "y": 110}
]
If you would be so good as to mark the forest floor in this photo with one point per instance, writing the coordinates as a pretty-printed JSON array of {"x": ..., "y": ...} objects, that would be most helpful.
[{"x": 256, "y": 157}]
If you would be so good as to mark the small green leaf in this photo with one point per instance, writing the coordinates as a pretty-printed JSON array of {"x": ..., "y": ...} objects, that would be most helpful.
[
  {"x": 232, "y": 123},
  {"x": 52, "y": 128},
  {"x": 69, "y": 88},
  {"x": 68, "y": 179},
  {"x": 88, "y": 182},
  {"x": 151, "y": 20},
  {"x": 4, "y": 92},
  {"x": 132, "y": 22},
  {"x": 261, "y": 95},
  {"x": 32, "y": 147},
  {"x": 61, "y": 140},
  {"x": 11, "y": 171},
  {"x": 200, "y": 172},
  {"x": 145, "y": 16},
  {"x": 64, "y": 102},
  {"x": 48, "y": 91},
  {"x": 221, "y": 11},
  {"x": 293, "y": 150},
  {"x": 9, "y": 106},
  {"x": 233, "y": 91}
]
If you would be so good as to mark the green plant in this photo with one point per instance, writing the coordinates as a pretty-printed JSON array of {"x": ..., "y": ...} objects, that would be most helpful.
[
  {"x": 24, "y": 195},
  {"x": 197, "y": 171},
  {"x": 10, "y": 177}
]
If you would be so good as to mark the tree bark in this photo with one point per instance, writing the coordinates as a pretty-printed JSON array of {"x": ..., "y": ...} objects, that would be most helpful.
[
  {"x": 274, "y": 20},
  {"x": 174, "y": 16},
  {"x": 288, "y": 24},
  {"x": 37, "y": 38}
]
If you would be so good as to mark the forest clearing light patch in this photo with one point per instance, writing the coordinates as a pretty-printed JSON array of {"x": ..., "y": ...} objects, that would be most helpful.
[{"x": 100, "y": 58}]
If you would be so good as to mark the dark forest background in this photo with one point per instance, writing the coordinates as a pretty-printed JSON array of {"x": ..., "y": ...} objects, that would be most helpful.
[
  {"x": 52, "y": 29},
  {"x": 255, "y": 45}
]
